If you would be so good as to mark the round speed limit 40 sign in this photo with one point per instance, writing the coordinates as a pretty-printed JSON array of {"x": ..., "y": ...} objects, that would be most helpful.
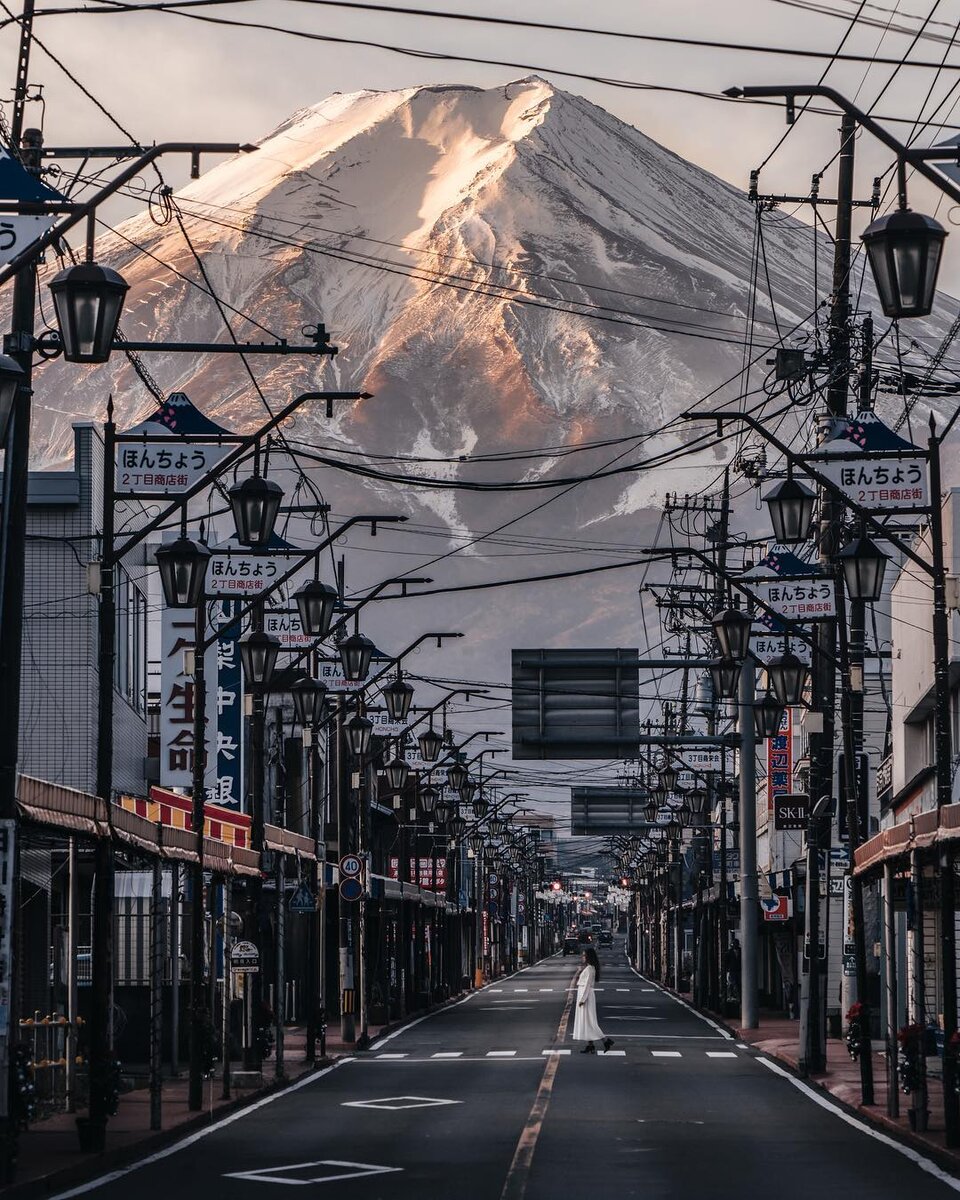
[{"x": 351, "y": 866}]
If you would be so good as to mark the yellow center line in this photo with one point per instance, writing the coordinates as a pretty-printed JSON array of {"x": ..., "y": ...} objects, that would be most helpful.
[{"x": 515, "y": 1185}]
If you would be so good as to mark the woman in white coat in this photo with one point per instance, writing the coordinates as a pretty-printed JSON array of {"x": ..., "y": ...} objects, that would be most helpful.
[{"x": 585, "y": 1027}]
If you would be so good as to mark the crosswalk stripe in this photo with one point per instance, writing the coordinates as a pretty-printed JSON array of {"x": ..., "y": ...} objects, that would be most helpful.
[
  {"x": 448, "y": 1054},
  {"x": 612, "y": 1053},
  {"x": 555, "y": 1052},
  {"x": 666, "y": 1053},
  {"x": 501, "y": 1053},
  {"x": 391, "y": 1056},
  {"x": 546, "y": 989},
  {"x": 623, "y": 989},
  {"x": 720, "y": 1054},
  {"x": 521, "y": 989}
]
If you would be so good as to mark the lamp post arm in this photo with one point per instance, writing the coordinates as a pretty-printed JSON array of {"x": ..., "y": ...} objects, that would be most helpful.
[
  {"x": 488, "y": 733},
  {"x": 917, "y": 158},
  {"x": 398, "y": 658},
  {"x": 427, "y": 712},
  {"x": 80, "y": 212},
  {"x": 818, "y": 477},
  {"x": 298, "y": 565},
  {"x": 223, "y": 466}
]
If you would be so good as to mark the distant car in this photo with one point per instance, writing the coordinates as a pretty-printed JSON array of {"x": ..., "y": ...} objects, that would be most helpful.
[
  {"x": 586, "y": 937},
  {"x": 571, "y": 945},
  {"x": 606, "y": 937}
]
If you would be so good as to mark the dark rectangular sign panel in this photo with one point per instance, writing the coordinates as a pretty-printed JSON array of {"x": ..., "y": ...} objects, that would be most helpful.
[
  {"x": 575, "y": 704},
  {"x": 606, "y": 811},
  {"x": 791, "y": 810}
]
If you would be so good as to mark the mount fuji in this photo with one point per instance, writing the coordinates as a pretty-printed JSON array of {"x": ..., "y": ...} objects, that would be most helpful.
[{"x": 504, "y": 270}]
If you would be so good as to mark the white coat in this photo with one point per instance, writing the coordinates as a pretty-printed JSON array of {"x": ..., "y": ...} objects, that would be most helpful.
[{"x": 585, "y": 1027}]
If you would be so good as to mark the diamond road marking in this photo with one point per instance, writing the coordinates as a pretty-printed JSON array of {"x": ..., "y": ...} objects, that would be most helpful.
[
  {"x": 501, "y": 1053},
  {"x": 555, "y": 1052},
  {"x": 400, "y": 1103},
  {"x": 665, "y": 1053},
  {"x": 720, "y": 1054},
  {"x": 448, "y": 1054},
  {"x": 391, "y": 1056},
  {"x": 282, "y": 1174}
]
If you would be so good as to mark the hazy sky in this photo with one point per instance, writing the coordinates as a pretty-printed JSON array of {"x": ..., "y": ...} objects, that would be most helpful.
[{"x": 165, "y": 76}]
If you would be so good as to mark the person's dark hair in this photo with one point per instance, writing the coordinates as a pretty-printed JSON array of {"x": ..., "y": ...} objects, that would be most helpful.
[{"x": 592, "y": 960}]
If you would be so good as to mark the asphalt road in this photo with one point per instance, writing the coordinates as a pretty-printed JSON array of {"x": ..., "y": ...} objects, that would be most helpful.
[{"x": 490, "y": 1100}]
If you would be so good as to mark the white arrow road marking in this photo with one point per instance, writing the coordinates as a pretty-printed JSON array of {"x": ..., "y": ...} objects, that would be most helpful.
[{"x": 276, "y": 1174}]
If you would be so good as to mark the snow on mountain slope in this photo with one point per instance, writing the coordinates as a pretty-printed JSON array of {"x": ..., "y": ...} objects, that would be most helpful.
[{"x": 398, "y": 219}]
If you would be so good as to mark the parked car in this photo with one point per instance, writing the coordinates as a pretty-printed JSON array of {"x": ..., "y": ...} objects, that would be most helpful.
[
  {"x": 606, "y": 937},
  {"x": 571, "y": 944}
]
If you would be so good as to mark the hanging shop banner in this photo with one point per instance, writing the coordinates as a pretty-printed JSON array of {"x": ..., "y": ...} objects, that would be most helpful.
[
  {"x": 768, "y": 640},
  {"x": 20, "y": 230},
  {"x": 234, "y": 570},
  {"x": 330, "y": 673},
  {"x": 421, "y": 871},
  {"x": 285, "y": 625},
  {"x": 703, "y": 759},
  {"x": 382, "y": 725},
  {"x": 872, "y": 464},
  {"x": 176, "y": 698},
  {"x": 791, "y": 587},
  {"x": 157, "y": 457},
  {"x": 780, "y": 761},
  {"x": 224, "y": 711}
]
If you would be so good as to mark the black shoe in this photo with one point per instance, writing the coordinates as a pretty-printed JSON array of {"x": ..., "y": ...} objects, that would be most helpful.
[
  {"x": 589, "y": 1048},
  {"x": 607, "y": 1043}
]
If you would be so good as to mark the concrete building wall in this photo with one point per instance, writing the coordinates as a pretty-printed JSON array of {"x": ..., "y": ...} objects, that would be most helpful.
[{"x": 58, "y": 718}]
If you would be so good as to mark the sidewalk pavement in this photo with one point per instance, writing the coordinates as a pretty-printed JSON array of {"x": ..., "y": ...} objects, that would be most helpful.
[
  {"x": 50, "y": 1159},
  {"x": 778, "y": 1038}
]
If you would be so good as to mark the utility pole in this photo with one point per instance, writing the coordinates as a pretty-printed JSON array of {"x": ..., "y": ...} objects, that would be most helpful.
[
  {"x": 825, "y": 634},
  {"x": 19, "y": 345},
  {"x": 749, "y": 897}
]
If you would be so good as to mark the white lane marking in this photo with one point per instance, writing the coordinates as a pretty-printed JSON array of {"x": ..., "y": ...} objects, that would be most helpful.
[
  {"x": 742, "y": 1046},
  {"x": 404, "y": 1055},
  {"x": 612, "y": 1053},
  {"x": 611, "y": 1017},
  {"x": 493, "y": 991},
  {"x": 720, "y": 1054},
  {"x": 555, "y": 1051},
  {"x": 451, "y": 1062},
  {"x": 666, "y": 1053},
  {"x": 112, "y": 1176},
  {"x": 521, "y": 989},
  {"x": 448, "y": 1054},
  {"x": 915, "y": 1157},
  {"x": 622, "y": 989},
  {"x": 545, "y": 989},
  {"x": 648, "y": 989},
  {"x": 501, "y": 1053},
  {"x": 667, "y": 1037},
  {"x": 399, "y": 1103},
  {"x": 276, "y": 1174},
  {"x": 683, "y": 1004},
  {"x": 507, "y": 1007}
]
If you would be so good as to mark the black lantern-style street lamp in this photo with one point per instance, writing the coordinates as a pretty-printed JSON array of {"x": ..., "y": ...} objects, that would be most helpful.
[
  {"x": 316, "y": 603},
  {"x": 658, "y": 793},
  {"x": 183, "y": 571},
  {"x": 686, "y": 817},
  {"x": 429, "y": 796},
  {"x": 790, "y": 504},
  {"x": 258, "y": 655},
  {"x": 256, "y": 503},
  {"x": 356, "y": 651},
  {"x": 863, "y": 564},
  {"x": 668, "y": 778},
  {"x": 359, "y": 731},
  {"x": 904, "y": 249},
  {"x": 87, "y": 299},
  {"x": 498, "y": 827},
  {"x": 457, "y": 776},
  {"x": 788, "y": 678},
  {"x": 650, "y": 810},
  {"x": 309, "y": 696},
  {"x": 467, "y": 790},
  {"x": 398, "y": 696},
  {"x": 725, "y": 674},
  {"x": 443, "y": 812},
  {"x": 768, "y": 716},
  {"x": 732, "y": 630},
  {"x": 11, "y": 376},
  {"x": 481, "y": 805},
  {"x": 458, "y": 827},
  {"x": 397, "y": 772},
  {"x": 697, "y": 799},
  {"x": 430, "y": 743}
]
